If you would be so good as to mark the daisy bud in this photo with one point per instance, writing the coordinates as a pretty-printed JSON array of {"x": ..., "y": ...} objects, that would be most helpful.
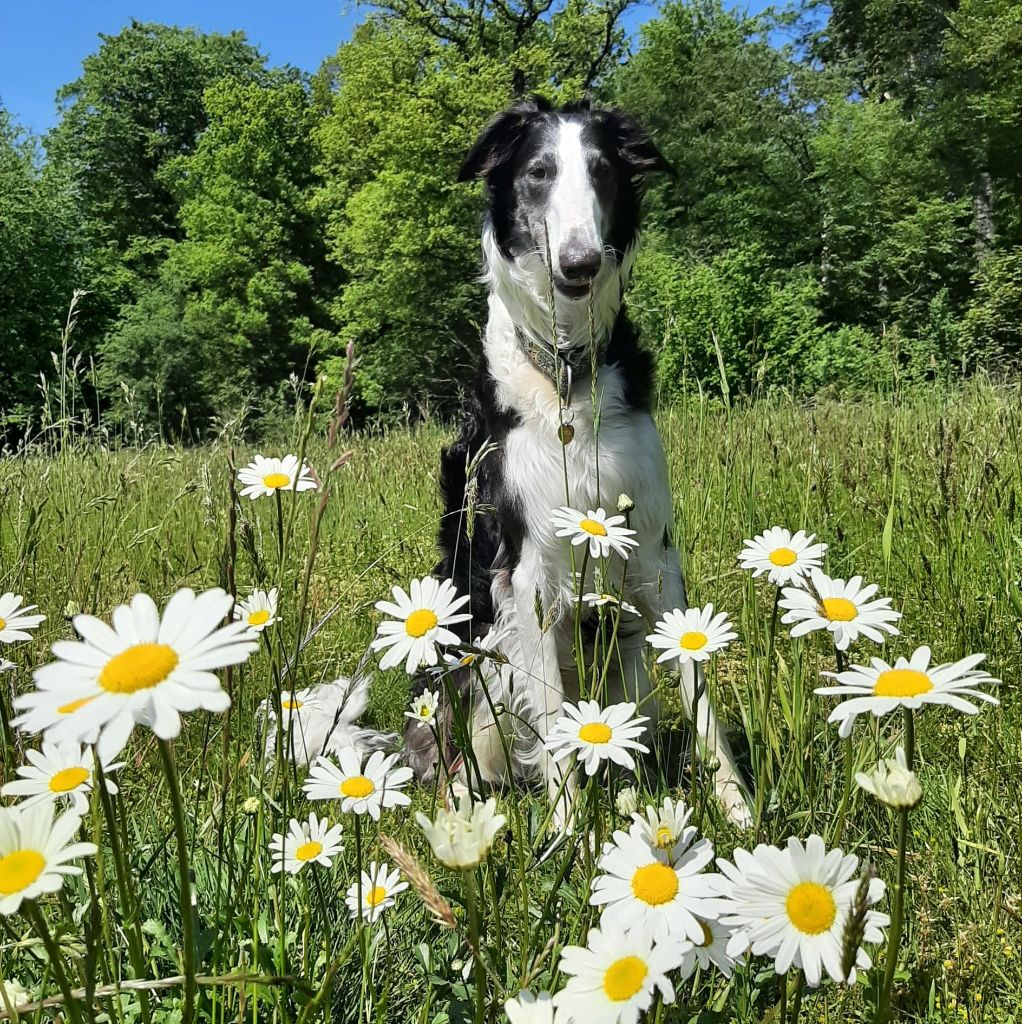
[
  {"x": 893, "y": 783},
  {"x": 462, "y": 838},
  {"x": 625, "y": 503},
  {"x": 250, "y": 806},
  {"x": 627, "y": 802}
]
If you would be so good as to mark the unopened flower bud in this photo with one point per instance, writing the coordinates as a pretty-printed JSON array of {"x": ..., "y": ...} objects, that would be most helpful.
[
  {"x": 627, "y": 802},
  {"x": 624, "y": 503},
  {"x": 893, "y": 783}
]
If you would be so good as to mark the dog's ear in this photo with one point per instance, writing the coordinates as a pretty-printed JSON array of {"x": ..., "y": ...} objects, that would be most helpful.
[
  {"x": 634, "y": 146},
  {"x": 498, "y": 141}
]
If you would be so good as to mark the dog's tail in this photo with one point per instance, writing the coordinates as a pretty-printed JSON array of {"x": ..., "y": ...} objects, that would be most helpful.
[{"x": 326, "y": 722}]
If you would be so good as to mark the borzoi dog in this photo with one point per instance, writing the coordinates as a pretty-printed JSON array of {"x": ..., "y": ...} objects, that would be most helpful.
[{"x": 542, "y": 430}]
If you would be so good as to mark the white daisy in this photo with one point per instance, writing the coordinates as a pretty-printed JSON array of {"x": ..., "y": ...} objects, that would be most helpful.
[
  {"x": 293, "y": 704},
  {"x": 146, "y": 670},
  {"x": 306, "y": 842},
  {"x": 423, "y": 708},
  {"x": 666, "y": 827},
  {"x": 909, "y": 683},
  {"x": 38, "y": 714},
  {"x": 711, "y": 951},
  {"x": 462, "y": 838},
  {"x": 792, "y": 904},
  {"x": 264, "y": 476},
  {"x": 601, "y": 532},
  {"x": 526, "y": 1008},
  {"x": 34, "y": 852},
  {"x": 691, "y": 635},
  {"x": 379, "y": 891},
  {"x": 481, "y": 649},
  {"x": 609, "y": 600},
  {"x": 422, "y": 617},
  {"x": 15, "y": 620},
  {"x": 614, "y": 976},
  {"x": 785, "y": 556},
  {"x": 258, "y": 610},
  {"x": 641, "y": 888},
  {"x": 892, "y": 782},
  {"x": 597, "y": 735},
  {"x": 845, "y": 609},
  {"x": 361, "y": 790},
  {"x": 61, "y": 772}
]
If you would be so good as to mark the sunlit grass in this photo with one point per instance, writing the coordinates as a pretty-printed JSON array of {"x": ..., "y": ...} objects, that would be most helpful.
[{"x": 921, "y": 497}]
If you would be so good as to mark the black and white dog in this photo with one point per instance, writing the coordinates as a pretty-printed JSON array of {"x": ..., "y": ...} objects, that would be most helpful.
[{"x": 564, "y": 189}]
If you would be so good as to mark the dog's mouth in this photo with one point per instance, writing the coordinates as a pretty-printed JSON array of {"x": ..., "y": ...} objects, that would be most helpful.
[{"x": 573, "y": 290}]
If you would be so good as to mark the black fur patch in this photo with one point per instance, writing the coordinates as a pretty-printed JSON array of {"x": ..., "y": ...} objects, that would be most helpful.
[{"x": 496, "y": 522}]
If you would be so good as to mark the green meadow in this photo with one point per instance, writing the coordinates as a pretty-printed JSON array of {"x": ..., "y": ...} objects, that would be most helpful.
[{"x": 920, "y": 493}]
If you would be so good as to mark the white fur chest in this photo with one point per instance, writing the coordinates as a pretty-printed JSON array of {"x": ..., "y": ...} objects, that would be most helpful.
[{"x": 620, "y": 454}]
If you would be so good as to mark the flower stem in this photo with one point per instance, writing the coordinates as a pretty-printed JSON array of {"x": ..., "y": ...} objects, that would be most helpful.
[
  {"x": 473, "y": 941},
  {"x": 125, "y": 892},
  {"x": 187, "y": 919},
  {"x": 35, "y": 915},
  {"x": 883, "y": 1011},
  {"x": 764, "y": 775}
]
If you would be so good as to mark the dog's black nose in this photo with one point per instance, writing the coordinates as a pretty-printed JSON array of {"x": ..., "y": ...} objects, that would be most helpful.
[{"x": 579, "y": 263}]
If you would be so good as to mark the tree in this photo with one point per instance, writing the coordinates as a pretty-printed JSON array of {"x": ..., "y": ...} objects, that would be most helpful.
[
  {"x": 241, "y": 300},
  {"x": 37, "y": 270},
  {"x": 723, "y": 106},
  {"x": 137, "y": 105}
]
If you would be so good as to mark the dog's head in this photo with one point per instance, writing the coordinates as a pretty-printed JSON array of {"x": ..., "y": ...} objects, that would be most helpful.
[{"x": 565, "y": 183}]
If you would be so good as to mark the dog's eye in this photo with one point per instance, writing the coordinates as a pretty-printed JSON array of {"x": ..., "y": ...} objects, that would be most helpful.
[{"x": 537, "y": 172}]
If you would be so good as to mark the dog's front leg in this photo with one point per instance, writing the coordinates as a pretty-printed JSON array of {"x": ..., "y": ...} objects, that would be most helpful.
[
  {"x": 663, "y": 590},
  {"x": 536, "y": 667}
]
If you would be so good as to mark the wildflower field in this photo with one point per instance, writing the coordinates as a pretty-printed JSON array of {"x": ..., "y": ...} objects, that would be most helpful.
[{"x": 158, "y": 861}]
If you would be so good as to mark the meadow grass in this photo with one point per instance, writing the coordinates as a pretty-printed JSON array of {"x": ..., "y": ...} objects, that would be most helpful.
[{"x": 920, "y": 495}]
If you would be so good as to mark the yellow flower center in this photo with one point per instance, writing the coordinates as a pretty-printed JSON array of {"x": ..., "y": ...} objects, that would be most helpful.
[
  {"x": 592, "y": 527},
  {"x": 425, "y": 711},
  {"x": 902, "y": 682},
  {"x": 595, "y": 732},
  {"x": 664, "y": 837},
  {"x": 376, "y": 896},
  {"x": 3, "y": 623},
  {"x": 70, "y": 709},
  {"x": 274, "y": 481},
  {"x": 19, "y": 870},
  {"x": 419, "y": 623},
  {"x": 655, "y": 884},
  {"x": 693, "y": 641},
  {"x": 138, "y": 668},
  {"x": 839, "y": 609},
  {"x": 259, "y": 618},
  {"x": 308, "y": 850},
  {"x": 357, "y": 786},
  {"x": 67, "y": 779},
  {"x": 624, "y": 977},
  {"x": 783, "y": 557},
  {"x": 811, "y": 908},
  {"x": 290, "y": 704},
  {"x": 707, "y": 936}
]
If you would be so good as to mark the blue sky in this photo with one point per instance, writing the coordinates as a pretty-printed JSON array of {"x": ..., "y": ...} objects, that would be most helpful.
[{"x": 43, "y": 42}]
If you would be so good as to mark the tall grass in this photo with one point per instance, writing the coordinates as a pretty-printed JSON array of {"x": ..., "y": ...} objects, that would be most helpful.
[{"x": 920, "y": 495}]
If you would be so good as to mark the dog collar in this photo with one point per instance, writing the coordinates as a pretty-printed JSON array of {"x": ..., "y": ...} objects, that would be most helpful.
[{"x": 561, "y": 367}]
